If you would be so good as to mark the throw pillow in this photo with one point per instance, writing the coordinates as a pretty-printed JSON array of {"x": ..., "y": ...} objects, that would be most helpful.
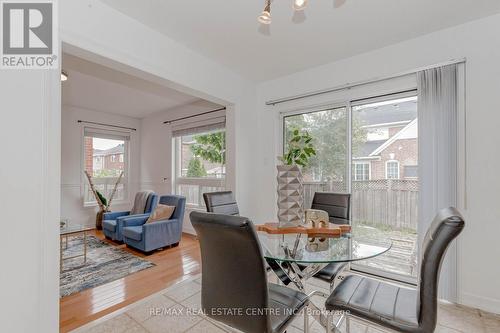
[{"x": 162, "y": 212}]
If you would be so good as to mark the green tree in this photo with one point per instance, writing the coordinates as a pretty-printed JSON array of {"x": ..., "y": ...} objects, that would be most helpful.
[
  {"x": 329, "y": 132},
  {"x": 196, "y": 168},
  {"x": 210, "y": 147},
  {"x": 106, "y": 173}
]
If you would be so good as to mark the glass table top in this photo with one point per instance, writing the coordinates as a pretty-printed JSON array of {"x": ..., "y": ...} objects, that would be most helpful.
[
  {"x": 73, "y": 228},
  {"x": 345, "y": 248}
]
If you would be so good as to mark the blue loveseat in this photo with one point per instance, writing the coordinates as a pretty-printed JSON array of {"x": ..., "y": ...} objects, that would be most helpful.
[
  {"x": 112, "y": 223},
  {"x": 151, "y": 236}
]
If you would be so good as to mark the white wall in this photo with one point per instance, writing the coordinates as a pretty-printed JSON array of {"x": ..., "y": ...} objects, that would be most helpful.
[
  {"x": 29, "y": 200},
  {"x": 479, "y": 42},
  {"x": 72, "y": 179}
]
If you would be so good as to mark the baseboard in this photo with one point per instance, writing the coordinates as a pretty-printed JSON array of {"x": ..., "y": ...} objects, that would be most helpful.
[
  {"x": 188, "y": 230},
  {"x": 479, "y": 302}
]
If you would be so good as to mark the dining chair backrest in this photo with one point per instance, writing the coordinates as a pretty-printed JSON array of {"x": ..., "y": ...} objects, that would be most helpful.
[
  {"x": 233, "y": 271},
  {"x": 337, "y": 205},
  {"x": 221, "y": 203},
  {"x": 445, "y": 227}
]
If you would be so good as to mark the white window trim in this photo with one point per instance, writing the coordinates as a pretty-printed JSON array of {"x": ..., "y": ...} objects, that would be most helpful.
[
  {"x": 369, "y": 170},
  {"x": 386, "y": 169},
  {"x": 407, "y": 177},
  {"x": 126, "y": 173}
]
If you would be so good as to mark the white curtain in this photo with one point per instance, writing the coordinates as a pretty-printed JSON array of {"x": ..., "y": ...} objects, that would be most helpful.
[{"x": 438, "y": 144}]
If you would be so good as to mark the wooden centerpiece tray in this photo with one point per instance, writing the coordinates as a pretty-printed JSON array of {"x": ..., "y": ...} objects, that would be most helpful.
[{"x": 329, "y": 231}]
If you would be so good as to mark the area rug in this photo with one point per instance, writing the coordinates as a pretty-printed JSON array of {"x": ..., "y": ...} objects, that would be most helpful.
[{"x": 105, "y": 263}]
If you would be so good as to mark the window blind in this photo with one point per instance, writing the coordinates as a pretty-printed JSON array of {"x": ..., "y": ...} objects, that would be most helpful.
[
  {"x": 106, "y": 134},
  {"x": 200, "y": 126}
]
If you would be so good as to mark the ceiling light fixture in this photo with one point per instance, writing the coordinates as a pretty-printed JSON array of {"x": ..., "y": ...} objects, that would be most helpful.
[
  {"x": 300, "y": 4},
  {"x": 265, "y": 16},
  {"x": 64, "y": 76}
]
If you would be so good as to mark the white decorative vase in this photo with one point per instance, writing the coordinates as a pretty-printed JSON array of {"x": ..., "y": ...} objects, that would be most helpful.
[{"x": 290, "y": 196}]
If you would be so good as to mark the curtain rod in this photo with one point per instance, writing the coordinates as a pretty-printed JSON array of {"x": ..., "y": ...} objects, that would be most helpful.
[
  {"x": 360, "y": 83},
  {"x": 94, "y": 123},
  {"x": 195, "y": 115}
]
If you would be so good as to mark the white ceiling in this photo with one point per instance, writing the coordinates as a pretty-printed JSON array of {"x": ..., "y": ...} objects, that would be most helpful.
[
  {"x": 227, "y": 30},
  {"x": 95, "y": 87}
]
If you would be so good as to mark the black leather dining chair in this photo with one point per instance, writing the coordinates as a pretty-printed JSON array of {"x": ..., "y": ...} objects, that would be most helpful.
[
  {"x": 221, "y": 203},
  {"x": 225, "y": 203},
  {"x": 337, "y": 205},
  {"x": 234, "y": 278},
  {"x": 397, "y": 308}
]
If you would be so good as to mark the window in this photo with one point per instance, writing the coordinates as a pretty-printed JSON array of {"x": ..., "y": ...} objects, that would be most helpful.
[
  {"x": 100, "y": 150},
  {"x": 200, "y": 161},
  {"x": 392, "y": 170},
  {"x": 411, "y": 171},
  {"x": 361, "y": 171}
]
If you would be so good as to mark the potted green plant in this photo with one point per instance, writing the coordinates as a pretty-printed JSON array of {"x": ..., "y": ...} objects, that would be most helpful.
[
  {"x": 298, "y": 152},
  {"x": 103, "y": 203}
]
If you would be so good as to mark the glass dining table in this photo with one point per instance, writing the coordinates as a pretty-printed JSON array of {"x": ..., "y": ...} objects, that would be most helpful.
[{"x": 295, "y": 258}]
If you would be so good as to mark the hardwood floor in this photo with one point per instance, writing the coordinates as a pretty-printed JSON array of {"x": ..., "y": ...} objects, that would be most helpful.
[{"x": 172, "y": 265}]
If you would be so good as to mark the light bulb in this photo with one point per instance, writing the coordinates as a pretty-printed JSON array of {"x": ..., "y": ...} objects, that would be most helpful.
[
  {"x": 299, "y": 4},
  {"x": 265, "y": 17}
]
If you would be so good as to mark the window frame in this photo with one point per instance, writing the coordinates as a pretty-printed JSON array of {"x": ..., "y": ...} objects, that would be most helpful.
[
  {"x": 350, "y": 101},
  {"x": 126, "y": 167},
  {"x": 201, "y": 182},
  {"x": 387, "y": 169},
  {"x": 410, "y": 177},
  {"x": 355, "y": 164}
]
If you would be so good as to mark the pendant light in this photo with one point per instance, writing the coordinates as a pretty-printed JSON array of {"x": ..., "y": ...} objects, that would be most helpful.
[
  {"x": 300, "y": 4},
  {"x": 265, "y": 16},
  {"x": 64, "y": 76}
]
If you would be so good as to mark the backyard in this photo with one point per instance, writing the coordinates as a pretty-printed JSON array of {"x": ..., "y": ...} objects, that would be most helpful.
[{"x": 385, "y": 208}]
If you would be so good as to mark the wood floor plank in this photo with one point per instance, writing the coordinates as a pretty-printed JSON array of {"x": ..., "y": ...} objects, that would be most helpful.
[{"x": 172, "y": 265}]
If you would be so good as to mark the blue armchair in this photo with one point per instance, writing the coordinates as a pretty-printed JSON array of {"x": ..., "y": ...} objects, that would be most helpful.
[
  {"x": 112, "y": 223},
  {"x": 151, "y": 236}
]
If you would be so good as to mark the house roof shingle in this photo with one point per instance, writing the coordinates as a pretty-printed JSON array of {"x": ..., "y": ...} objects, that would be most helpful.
[
  {"x": 111, "y": 151},
  {"x": 404, "y": 111},
  {"x": 383, "y": 114}
]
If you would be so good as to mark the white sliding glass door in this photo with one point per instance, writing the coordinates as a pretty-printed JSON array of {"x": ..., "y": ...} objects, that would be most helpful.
[
  {"x": 369, "y": 148},
  {"x": 385, "y": 181}
]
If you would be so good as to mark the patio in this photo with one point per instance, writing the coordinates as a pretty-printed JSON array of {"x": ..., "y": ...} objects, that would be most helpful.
[{"x": 382, "y": 206}]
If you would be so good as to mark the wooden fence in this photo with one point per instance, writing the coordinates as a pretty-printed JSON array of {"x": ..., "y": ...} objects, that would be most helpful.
[{"x": 390, "y": 202}]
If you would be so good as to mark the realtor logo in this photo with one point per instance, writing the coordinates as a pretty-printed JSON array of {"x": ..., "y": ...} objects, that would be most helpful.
[{"x": 28, "y": 35}]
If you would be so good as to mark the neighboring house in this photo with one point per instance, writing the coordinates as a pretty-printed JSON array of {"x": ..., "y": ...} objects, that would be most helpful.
[
  {"x": 109, "y": 159},
  {"x": 391, "y": 147}
]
